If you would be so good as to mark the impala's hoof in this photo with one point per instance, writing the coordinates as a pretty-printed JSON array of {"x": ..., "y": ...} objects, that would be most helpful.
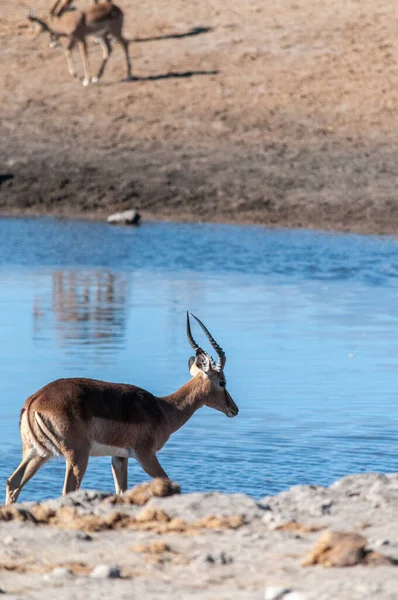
[
  {"x": 95, "y": 80},
  {"x": 86, "y": 82}
]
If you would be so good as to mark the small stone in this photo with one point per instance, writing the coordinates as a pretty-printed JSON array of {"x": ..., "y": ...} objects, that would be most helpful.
[
  {"x": 210, "y": 559},
  {"x": 274, "y": 592},
  {"x": 158, "y": 546},
  {"x": 226, "y": 559},
  {"x": 379, "y": 543},
  {"x": 337, "y": 549},
  {"x": 58, "y": 573},
  {"x": 272, "y": 521},
  {"x": 8, "y": 540},
  {"x": 84, "y": 537},
  {"x": 105, "y": 572}
]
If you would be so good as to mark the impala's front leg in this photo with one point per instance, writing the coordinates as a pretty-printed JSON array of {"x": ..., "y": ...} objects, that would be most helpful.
[
  {"x": 86, "y": 65},
  {"x": 151, "y": 465},
  {"x": 68, "y": 56},
  {"x": 119, "y": 471}
]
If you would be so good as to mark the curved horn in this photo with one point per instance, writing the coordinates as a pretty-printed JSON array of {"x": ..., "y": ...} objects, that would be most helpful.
[
  {"x": 220, "y": 352},
  {"x": 194, "y": 345},
  {"x": 190, "y": 337}
]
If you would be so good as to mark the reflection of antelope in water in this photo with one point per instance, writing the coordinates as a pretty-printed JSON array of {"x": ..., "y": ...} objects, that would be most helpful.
[
  {"x": 88, "y": 308},
  {"x": 79, "y": 418},
  {"x": 101, "y": 20}
]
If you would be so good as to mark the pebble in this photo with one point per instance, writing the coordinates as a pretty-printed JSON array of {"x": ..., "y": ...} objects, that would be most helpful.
[
  {"x": 57, "y": 573},
  {"x": 274, "y": 592},
  {"x": 105, "y": 572},
  {"x": 8, "y": 540},
  {"x": 223, "y": 558},
  {"x": 84, "y": 537},
  {"x": 281, "y": 593}
]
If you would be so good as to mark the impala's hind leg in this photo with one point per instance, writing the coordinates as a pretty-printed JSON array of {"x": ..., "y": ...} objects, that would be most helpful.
[
  {"x": 76, "y": 466},
  {"x": 125, "y": 45},
  {"x": 106, "y": 52},
  {"x": 30, "y": 464}
]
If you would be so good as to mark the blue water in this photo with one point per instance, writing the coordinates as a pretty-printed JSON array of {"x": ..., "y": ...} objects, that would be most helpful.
[{"x": 308, "y": 320}]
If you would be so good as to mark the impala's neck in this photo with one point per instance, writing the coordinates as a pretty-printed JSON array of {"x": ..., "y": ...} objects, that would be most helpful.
[
  {"x": 58, "y": 26},
  {"x": 186, "y": 400}
]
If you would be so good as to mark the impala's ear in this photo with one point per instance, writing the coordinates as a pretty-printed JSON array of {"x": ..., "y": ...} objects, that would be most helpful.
[
  {"x": 190, "y": 362},
  {"x": 202, "y": 362}
]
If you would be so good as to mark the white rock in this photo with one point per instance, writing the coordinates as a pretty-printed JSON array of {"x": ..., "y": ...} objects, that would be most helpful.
[
  {"x": 57, "y": 573},
  {"x": 127, "y": 217},
  {"x": 8, "y": 540},
  {"x": 274, "y": 592},
  {"x": 105, "y": 572}
]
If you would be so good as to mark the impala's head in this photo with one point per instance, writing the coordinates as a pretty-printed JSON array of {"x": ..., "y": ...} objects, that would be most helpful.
[
  {"x": 203, "y": 363},
  {"x": 41, "y": 26}
]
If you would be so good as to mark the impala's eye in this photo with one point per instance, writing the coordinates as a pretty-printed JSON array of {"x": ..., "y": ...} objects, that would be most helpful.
[{"x": 222, "y": 383}]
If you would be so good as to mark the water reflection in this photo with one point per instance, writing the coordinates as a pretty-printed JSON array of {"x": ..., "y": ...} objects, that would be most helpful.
[
  {"x": 308, "y": 321},
  {"x": 87, "y": 308}
]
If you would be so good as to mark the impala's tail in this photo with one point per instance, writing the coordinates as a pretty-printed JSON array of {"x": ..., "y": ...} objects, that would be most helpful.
[{"x": 37, "y": 433}]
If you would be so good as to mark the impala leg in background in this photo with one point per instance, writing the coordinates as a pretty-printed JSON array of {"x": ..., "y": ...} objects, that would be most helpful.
[
  {"x": 86, "y": 64},
  {"x": 106, "y": 52},
  {"x": 31, "y": 463},
  {"x": 119, "y": 472},
  {"x": 68, "y": 55},
  {"x": 151, "y": 465},
  {"x": 125, "y": 46}
]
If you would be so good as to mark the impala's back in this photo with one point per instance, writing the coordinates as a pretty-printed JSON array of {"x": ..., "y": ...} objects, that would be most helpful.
[{"x": 112, "y": 418}]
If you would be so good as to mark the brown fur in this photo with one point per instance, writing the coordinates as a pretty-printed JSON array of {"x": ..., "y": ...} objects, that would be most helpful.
[
  {"x": 102, "y": 20},
  {"x": 72, "y": 416}
]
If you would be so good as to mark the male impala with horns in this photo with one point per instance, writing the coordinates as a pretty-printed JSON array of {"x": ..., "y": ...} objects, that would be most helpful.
[{"x": 77, "y": 418}]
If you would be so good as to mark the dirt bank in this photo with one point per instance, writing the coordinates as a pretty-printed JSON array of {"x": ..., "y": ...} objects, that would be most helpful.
[
  {"x": 206, "y": 545},
  {"x": 280, "y": 114}
]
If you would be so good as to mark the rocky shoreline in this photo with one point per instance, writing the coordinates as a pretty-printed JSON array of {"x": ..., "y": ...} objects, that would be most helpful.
[{"x": 154, "y": 542}]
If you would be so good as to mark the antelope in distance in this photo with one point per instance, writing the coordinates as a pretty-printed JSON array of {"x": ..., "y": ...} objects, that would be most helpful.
[
  {"x": 78, "y": 418},
  {"x": 101, "y": 20}
]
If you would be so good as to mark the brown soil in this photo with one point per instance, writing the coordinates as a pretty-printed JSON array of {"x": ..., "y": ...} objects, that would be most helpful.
[{"x": 281, "y": 113}]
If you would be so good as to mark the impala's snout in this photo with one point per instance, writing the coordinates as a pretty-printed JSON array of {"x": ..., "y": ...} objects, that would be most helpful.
[
  {"x": 232, "y": 409},
  {"x": 232, "y": 412}
]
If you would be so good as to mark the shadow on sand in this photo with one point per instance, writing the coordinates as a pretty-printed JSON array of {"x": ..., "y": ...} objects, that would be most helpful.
[
  {"x": 172, "y": 75},
  {"x": 175, "y": 36}
]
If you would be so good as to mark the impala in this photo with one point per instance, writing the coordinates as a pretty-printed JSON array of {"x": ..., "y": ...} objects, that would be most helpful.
[
  {"x": 103, "y": 20},
  {"x": 79, "y": 418}
]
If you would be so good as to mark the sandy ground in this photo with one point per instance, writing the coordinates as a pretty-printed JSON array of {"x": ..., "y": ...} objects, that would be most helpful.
[
  {"x": 281, "y": 113},
  {"x": 204, "y": 545}
]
